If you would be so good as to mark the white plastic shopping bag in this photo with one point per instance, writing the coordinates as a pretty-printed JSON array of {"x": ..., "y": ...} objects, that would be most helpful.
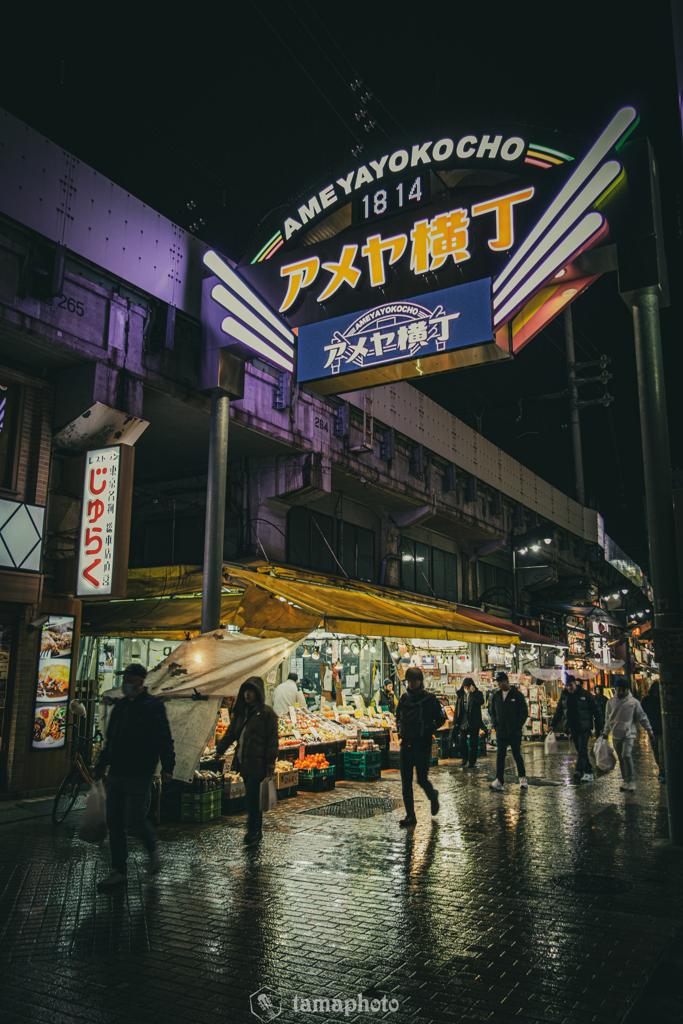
[
  {"x": 551, "y": 743},
  {"x": 94, "y": 825},
  {"x": 604, "y": 755},
  {"x": 268, "y": 795}
]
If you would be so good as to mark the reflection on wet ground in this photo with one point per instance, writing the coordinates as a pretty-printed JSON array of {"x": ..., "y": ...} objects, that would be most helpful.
[{"x": 550, "y": 904}]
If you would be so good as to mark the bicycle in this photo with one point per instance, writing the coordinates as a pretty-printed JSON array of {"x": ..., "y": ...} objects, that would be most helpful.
[{"x": 78, "y": 773}]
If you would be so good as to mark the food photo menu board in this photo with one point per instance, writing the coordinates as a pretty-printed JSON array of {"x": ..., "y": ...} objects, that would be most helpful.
[{"x": 54, "y": 677}]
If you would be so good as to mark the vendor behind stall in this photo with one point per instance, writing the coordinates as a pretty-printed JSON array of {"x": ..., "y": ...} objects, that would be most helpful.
[{"x": 287, "y": 695}]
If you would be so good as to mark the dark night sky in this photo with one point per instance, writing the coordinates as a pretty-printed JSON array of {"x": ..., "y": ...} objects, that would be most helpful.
[{"x": 240, "y": 108}]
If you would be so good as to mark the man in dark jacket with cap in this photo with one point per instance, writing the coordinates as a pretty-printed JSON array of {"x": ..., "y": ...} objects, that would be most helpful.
[
  {"x": 254, "y": 725},
  {"x": 418, "y": 715},
  {"x": 579, "y": 709},
  {"x": 508, "y": 712},
  {"x": 138, "y": 737}
]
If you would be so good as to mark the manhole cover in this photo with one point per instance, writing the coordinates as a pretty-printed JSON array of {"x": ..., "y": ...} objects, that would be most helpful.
[
  {"x": 356, "y": 807},
  {"x": 593, "y": 885}
]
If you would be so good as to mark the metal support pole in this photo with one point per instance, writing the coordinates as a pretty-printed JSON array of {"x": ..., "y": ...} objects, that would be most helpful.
[
  {"x": 661, "y": 537},
  {"x": 574, "y": 406},
  {"x": 514, "y": 597},
  {"x": 215, "y": 510}
]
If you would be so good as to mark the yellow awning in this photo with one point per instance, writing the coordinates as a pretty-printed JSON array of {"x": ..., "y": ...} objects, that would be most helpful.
[
  {"x": 278, "y": 601},
  {"x": 340, "y": 608},
  {"x": 167, "y": 619}
]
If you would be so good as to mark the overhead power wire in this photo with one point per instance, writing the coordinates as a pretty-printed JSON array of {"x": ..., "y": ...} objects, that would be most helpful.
[
  {"x": 346, "y": 83},
  {"x": 353, "y": 69},
  {"x": 302, "y": 68}
]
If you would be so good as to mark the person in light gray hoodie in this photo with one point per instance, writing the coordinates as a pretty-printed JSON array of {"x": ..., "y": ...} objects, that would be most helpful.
[{"x": 622, "y": 713}]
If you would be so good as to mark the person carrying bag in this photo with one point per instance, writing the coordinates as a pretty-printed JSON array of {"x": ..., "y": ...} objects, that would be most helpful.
[{"x": 254, "y": 725}]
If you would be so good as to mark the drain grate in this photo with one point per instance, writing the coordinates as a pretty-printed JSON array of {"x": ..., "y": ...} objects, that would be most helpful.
[
  {"x": 356, "y": 807},
  {"x": 593, "y": 885}
]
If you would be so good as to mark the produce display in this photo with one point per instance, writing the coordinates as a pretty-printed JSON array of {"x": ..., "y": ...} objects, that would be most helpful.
[
  {"x": 341, "y": 723},
  {"x": 310, "y": 762},
  {"x": 362, "y": 746},
  {"x": 283, "y": 766}
]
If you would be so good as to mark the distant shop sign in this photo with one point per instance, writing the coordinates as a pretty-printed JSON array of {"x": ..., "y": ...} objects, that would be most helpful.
[{"x": 105, "y": 522}]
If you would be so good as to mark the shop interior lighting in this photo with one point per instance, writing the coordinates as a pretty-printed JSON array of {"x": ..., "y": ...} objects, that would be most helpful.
[
  {"x": 347, "y": 649},
  {"x": 523, "y": 551},
  {"x": 535, "y": 547},
  {"x": 315, "y": 655},
  {"x": 373, "y": 649},
  {"x": 625, "y": 590},
  {"x": 329, "y": 650},
  {"x": 547, "y": 540}
]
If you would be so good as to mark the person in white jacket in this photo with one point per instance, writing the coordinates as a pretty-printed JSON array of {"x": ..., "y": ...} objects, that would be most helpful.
[
  {"x": 622, "y": 713},
  {"x": 287, "y": 694}
]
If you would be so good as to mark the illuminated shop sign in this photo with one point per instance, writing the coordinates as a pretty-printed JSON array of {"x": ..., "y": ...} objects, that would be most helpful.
[
  {"x": 421, "y": 221},
  {"x": 490, "y": 148},
  {"x": 97, "y": 541},
  {"x": 54, "y": 679},
  {"x": 415, "y": 329}
]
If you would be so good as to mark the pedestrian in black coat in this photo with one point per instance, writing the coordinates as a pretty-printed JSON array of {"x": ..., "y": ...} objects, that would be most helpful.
[
  {"x": 470, "y": 723},
  {"x": 509, "y": 712},
  {"x": 579, "y": 709},
  {"x": 418, "y": 715},
  {"x": 138, "y": 737}
]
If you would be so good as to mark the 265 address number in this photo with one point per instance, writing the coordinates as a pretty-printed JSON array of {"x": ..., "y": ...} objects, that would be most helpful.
[{"x": 71, "y": 305}]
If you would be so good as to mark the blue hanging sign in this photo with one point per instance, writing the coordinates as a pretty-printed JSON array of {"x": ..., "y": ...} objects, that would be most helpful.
[{"x": 394, "y": 332}]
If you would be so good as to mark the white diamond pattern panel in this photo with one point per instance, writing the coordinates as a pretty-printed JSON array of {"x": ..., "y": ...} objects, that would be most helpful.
[{"x": 21, "y": 535}]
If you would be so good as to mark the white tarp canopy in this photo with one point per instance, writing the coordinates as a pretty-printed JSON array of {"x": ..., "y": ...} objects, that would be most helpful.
[
  {"x": 215, "y": 664},
  {"x": 607, "y": 666},
  {"x": 545, "y": 673}
]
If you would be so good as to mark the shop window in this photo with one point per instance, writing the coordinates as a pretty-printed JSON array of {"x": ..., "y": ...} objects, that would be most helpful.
[
  {"x": 310, "y": 540},
  {"x": 445, "y": 574},
  {"x": 10, "y": 404},
  {"x": 428, "y": 570},
  {"x": 357, "y": 553},
  {"x": 415, "y": 567}
]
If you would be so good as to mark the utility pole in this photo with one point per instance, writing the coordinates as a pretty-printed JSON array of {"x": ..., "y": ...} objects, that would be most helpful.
[
  {"x": 574, "y": 406},
  {"x": 662, "y": 542},
  {"x": 215, "y": 510}
]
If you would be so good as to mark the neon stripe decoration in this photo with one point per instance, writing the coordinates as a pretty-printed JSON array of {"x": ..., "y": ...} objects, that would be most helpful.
[
  {"x": 257, "y": 327},
  {"x": 259, "y": 254},
  {"x": 611, "y": 135},
  {"x": 585, "y": 199},
  {"x": 537, "y": 163},
  {"x": 577, "y": 239},
  {"x": 275, "y": 248},
  {"x": 553, "y": 152},
  {"x": 543, "y": 156},
  {"x": 235, "y": 283}
]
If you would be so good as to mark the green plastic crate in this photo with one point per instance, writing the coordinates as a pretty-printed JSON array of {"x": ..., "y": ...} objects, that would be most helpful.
[
  {"x": 362, "y": 759},
  {"x": 200, "y": 813}
]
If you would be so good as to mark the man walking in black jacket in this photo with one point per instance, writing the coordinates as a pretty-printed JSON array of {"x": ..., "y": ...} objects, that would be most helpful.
[
  {"x": 579, "y": 709},
  {"x": 470, "y": 723},
  {"x": 418, "y": 715},
  {"x": 508, "y": 712},
  {"x": 138, "y": 737}
]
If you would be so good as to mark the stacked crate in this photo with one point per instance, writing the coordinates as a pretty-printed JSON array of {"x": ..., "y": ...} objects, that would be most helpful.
[{"x": 363, "y": 765}]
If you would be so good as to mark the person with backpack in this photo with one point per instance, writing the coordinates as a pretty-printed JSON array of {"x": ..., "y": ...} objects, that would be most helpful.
[
  {"x": 623, "y": 711},
  {"x": 418, "y": 715},
  {"x": 509, "y": 712},
  {"x": 578, "y": 708}
]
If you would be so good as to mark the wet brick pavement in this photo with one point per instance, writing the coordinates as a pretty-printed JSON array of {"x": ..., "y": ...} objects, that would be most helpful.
[{"x": 459, "y": 920}]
